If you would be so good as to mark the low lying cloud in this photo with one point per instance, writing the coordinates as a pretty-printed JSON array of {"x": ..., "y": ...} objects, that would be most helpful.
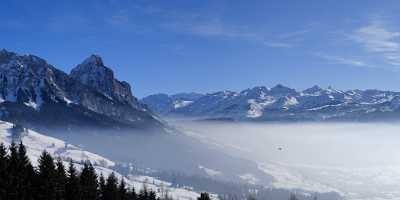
[{"x": 358, "y": 160}]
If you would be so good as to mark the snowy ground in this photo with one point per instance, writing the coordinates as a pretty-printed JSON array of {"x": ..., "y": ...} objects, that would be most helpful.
[
  {"x": 359, "y": 161},
  {"x": 36, "y": 143}
]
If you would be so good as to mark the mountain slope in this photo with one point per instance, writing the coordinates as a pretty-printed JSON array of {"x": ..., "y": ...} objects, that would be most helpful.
[
  {"x": 281, "y": 103},
  {"x": 36, "y": 94},
  {"x": 35, "y": 143}
]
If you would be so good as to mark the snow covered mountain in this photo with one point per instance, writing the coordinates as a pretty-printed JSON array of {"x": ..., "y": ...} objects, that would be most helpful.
[
  {"x": 281, "y": 103},
  {"x": 164, "y": 104},
  {"x": 36, "y": 143},
  {"x": 35, "y": 93}
]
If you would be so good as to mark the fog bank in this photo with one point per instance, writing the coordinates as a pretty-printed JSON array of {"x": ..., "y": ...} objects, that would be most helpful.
[{"x": 359, "y": 160}]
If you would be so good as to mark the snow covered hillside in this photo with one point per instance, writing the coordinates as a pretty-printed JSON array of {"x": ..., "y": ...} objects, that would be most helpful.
[{"x": 36, "y": 143}]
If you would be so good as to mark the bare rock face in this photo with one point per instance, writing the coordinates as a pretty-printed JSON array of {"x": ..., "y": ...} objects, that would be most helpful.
[
  {"x": 30, "y": 80},
  {"x": 35, "y": 92},
  {"x": 93, "y": 73}
]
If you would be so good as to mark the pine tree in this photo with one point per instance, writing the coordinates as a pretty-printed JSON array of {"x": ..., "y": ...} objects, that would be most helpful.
[
  {"x": 122, "y": 190},
  {"x": 46, "y": 177},
  {"x": 132, "y": 194},
  {"x": 152, "y": 195},
  {"x": 3, "y": 171},
  {"x": 111, "y": 190},
  {"x": 144, "y": 193},
  {"x": 26, "y": 174},
  {"x": 61, "y": 180},
  {"x": 88, "y": 182},
  {"x": 72, "y": 187},
  {"x": 12, "y": 178},
  {"x": 204, "y": 196},
  {"x": 102, "y": 187}
]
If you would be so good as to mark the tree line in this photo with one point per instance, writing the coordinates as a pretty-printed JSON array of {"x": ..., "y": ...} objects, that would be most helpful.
[{"x": 51, "y": 180}]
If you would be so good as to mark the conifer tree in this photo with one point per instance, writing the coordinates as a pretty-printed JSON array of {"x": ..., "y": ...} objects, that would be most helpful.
[
  {"x": 88, "y": 182},
  {"x": 102, "y": 187},
  {"x": 46, "y": 181},
  {"x": 61, "y": 180},
  {"x": 12, "y": 179},
  {"x": 152, "y": 195},
  {"x": 72, "y": 187},
  {"x": 122, "y": 190},
  {"x": 132, "y": 194},
  {"x": 144, "y": 193},
  {"x": 3, "y": 171},
  {"x": 26, "y": 174},
  {"x": 204, "y": 196},
  {"x": 111, "y": 190}
]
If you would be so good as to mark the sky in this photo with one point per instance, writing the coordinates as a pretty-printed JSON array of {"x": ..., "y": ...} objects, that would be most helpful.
[{"x": 205, "y": 46}]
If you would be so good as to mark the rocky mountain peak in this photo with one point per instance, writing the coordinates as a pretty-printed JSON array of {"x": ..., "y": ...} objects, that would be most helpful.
[
  {"x": 93, "y": 60},
  {"x": 281, "y": 90},
  {"x": 29, "y": 86},
  {"x": 5, "y": 55},
  {"x": 313, "y": 89},
  {"x": 5, "y": 52},
  {"x": 93, "y": 73}
]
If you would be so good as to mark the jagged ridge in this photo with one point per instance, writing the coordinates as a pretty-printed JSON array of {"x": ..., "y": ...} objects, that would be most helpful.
[
  {"x": 281, "y": 103},
  {"x": 36, "y": 93}
]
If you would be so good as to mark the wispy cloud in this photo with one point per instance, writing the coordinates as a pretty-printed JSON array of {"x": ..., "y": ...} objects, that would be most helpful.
[
  {"x": 378, "y": 39},
  {"x": 216, "y": 28},
  {"x": 343, "y": 60},
  {"x": 204, "y": 25}
]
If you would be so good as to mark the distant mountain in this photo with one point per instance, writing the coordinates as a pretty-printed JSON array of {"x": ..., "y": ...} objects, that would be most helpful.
[
  {"x": 164, "y": 104},
  {"x": 36, "y": 94},
  {"x": 281, "y": 103}
]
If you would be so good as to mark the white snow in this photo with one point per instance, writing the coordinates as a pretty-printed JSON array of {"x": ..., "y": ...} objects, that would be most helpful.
[
  {"x": 36, "y": 143},
  {"x": 181, "y": 103},
  {"x": 256, "y": 108},
  {"x": 290, "y": 101},
  {"x": 325, "y": 106},
  {"x": 68, "y": 101},
  {"x": 286, "y": 178},
  {"x": 31, "y": 104},
  {"x": 249, "y": 178},
  {"x": 210, "y": 172}
]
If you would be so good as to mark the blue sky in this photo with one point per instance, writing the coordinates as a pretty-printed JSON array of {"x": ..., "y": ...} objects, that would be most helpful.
[{"x": 204, "y": 46}]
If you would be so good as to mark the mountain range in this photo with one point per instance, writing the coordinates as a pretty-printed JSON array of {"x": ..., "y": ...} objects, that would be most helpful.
[
  {"x": 36, "y": 94},
  {"x": 280, "y": 103}
]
